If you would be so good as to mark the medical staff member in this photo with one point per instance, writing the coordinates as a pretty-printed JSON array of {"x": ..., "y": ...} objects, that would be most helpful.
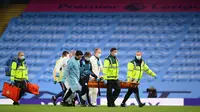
[
  {"x": 72, "y": 72},
  {"x": 135, "y": 71},
  {"x": 96, "y": 68},
  {"x": 58, "y": 74},
  {"x": 110, "y": 71},
  {"x": 86, "y": 72},
  {"x": 19, "y": 74}
]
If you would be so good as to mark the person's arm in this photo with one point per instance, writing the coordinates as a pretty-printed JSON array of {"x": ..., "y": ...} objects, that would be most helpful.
[
  {"x": 82, "y": 68},
  {"x": 106, "y": 68},
  {"x": 64, "y": 63},
  {"x": 149, "y": 71},
  {"x": 54, "y": 74},
  {"x": 92, "y": 72},
  {"x": 67, "y": 69},
  {"x": 56, "y": 70},
  {"x": 27, "y": 77},
  {"x": 93, "y": 62},
  {"x": 26, "y": 74},
  {"x": 58, "y": 66},
  {"x": 101, "y": 65},
  {"x": 130, "y": 71},
  {"x": 94, "y": 75},
  {"x": 72, "y": 67},
  {"x": 13, "y": 71}
]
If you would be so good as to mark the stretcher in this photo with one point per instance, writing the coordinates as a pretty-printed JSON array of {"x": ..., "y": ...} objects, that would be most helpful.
[{"x": 100, "y": 84}]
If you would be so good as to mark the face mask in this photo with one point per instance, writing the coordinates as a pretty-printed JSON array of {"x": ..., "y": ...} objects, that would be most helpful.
[
  {"x": 66, "y": 57},
  {"x": 138, "y": 57},
  {"x": 87, "y": 59},
  {"x": 116, "y": 54},
  {"x": 22, "y": 57},
  {"x": 99, "y": 55}
]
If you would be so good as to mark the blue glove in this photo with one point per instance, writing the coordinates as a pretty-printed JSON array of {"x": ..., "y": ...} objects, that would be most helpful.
[
  {"x": 12, "y": 82},
  {"x": 105, "y": 82},
  {"x": 101, "y": 78},
  {"x": 98, "y": 79},
  {"x": 57, "y": 75},
  {"x": 55, "y": 82}
]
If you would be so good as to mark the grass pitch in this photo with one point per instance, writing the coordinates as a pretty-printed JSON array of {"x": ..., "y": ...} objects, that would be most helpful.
[{"x": 46, "y": 108}]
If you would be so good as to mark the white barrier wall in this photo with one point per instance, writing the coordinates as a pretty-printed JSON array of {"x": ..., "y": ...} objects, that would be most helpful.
[{"x": 103, "y": 101}]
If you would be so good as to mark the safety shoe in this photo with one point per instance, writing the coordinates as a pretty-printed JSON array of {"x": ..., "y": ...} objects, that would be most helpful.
[
  {"x": 123, "y": 105},
  {"x": 113, "y": 105},
  {"x": 15, "y": 103},
  {"x": 54, "y": 100},
  {"x": 90, "y": 105},
  {"x": 142, "y": 105}
]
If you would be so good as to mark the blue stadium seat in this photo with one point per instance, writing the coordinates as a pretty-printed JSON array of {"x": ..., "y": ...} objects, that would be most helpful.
[
  {"x": 178, "y": 62},
  {"x": 191, "y": 62},
  {"x": 170, "y": 77},
  {"x": 184, "y": 78},
  {"x": 43, "y": 36},
  {"x": 195, "y": 77}
]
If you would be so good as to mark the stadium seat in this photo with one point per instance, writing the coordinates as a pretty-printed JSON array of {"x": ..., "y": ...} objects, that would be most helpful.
[
  {"x": 44, "y": 36},
  {"x": 169, "y": 77},
  {"x": 195, "y": 77}
]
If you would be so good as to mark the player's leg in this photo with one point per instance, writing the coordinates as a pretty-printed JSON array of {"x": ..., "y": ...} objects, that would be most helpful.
[
  {"x": 88, "y": 97},
  {"x": 67, "y": 94},
  {"x": 60, "y": 94},
  {"x": 126, "y": 97},
  {"x": 116, "y": 92},
  {"x": 109, "y": 93},
  {"x": 137, "y": 97},
  {"x": 79, "y": 98},
  {"x": 93, "y": 93},
  {"x": 22, "y": 86}
]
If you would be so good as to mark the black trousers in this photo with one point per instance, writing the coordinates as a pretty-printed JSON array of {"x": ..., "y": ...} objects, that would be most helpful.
[
  {"x": 85, "y": 89},
  {"x": 67, "y": 95},
  {"x": 112, "y": 95},
  {"x": 128, "y": 94},
  {"x": 22, "y": 86}
]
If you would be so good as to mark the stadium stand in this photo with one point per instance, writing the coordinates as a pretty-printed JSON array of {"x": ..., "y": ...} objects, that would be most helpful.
[
  {"x": 9, "y": 11},
  {"x": 170, "y": 44}
]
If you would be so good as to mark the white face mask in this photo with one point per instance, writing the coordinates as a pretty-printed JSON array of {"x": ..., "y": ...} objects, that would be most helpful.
[
  {"x": 66, "y": 58},
  {"x": 139, "y": 57},
  {"x": 99, "y": 55},
  {"x": 116, "y": 54},
  {"x": 22, "y": 57},
  {"x": 87, "y": 59}
]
